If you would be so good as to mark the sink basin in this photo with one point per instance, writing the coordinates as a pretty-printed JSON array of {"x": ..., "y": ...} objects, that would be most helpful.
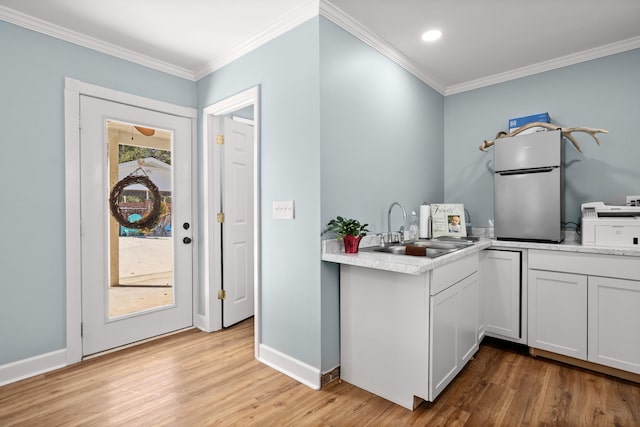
[
  {"x": 467, "y": 239},
  {"x": 440, "y": 245},
  {"x": 393, "y": 249},
  {"x": 433, "y": 248}
]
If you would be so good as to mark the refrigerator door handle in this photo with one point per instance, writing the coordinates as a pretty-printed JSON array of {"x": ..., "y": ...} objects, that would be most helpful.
[{"x": 526, "y": 171}]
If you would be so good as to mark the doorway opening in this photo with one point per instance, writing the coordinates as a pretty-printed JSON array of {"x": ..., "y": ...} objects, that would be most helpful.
[{"x": 246, "y": 106}]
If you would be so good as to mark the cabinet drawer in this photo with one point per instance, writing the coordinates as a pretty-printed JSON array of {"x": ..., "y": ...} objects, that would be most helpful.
[
  {"x": 623, "y": 267},
  {"x": 452, "y": 273}
]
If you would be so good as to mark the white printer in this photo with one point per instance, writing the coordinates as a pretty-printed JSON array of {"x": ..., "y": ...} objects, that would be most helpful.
[{"x": 607, "y": 225}]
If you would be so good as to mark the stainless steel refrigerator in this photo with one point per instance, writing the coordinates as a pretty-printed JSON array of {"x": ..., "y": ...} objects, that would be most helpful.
[{"x": 529, "y": 187}]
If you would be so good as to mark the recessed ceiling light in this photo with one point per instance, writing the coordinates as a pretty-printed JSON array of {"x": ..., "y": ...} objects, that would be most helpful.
[{"x": 432, "y": 35}]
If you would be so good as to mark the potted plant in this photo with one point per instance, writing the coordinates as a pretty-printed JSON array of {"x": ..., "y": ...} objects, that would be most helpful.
[{"x": 349, "y": 230}]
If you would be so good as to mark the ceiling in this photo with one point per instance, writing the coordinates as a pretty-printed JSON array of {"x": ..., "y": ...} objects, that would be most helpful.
[{"x": 483, "y": 42}]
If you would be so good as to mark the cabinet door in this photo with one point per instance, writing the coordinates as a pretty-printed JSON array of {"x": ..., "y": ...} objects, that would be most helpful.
[
  {"x": 453, "y": 332},
  {"x": 468, "y": 318},
  {"x": 500, "y": 277},
  {"x": 443, "y": 361},
  {"x": 614, "y": 322},
  {"x": 558, "y": 313}
]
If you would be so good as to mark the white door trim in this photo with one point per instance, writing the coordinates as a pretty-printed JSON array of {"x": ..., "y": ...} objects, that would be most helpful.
[
  {"x": 211, "y": 319},
  {"x": 73, "y": 90}
]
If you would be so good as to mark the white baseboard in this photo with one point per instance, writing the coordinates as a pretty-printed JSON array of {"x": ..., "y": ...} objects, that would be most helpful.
[
  {"x": 200, "y": 322},
  {"x": 21, "y": 369},
  {"x": 299, "y": 371}
]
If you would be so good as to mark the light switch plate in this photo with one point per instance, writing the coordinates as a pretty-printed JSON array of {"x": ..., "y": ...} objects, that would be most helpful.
[{"x": 283, "y": 209}]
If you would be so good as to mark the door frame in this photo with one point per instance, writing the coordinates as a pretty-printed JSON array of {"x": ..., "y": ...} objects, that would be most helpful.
[
  {"x": 211, "y": 319},
  {"x": 72, "y": 91}
]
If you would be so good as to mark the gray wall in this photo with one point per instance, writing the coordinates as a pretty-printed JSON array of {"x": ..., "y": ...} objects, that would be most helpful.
[
  {"x": 344, "y": 132},
  {"x": 332, "y": 109},
  {"x": 602, "y": 93},
  {"x": 32, "y": 216},
  {"x": 287, "y": 71},
  {"x": 381, "y": 141}
]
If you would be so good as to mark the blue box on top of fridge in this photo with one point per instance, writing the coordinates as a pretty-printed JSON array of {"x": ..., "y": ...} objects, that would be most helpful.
[{"x": 521, "y": 121}]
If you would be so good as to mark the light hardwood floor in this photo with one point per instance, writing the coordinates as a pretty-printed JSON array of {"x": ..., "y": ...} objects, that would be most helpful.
[{"x": 198, "y": 379}]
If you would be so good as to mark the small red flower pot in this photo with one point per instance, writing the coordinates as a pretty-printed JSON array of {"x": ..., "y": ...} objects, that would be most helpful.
[{"x": 351, "y": 244}]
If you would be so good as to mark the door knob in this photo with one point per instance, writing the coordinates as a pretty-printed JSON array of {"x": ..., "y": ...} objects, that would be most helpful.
[{"x": 186, "y": 240}]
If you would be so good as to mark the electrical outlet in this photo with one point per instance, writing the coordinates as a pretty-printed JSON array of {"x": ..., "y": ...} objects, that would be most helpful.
[{"x": 633, "y": 200}]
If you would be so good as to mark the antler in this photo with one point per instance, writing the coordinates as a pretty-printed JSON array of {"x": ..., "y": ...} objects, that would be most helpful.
[{"x": 566, "y": 132}]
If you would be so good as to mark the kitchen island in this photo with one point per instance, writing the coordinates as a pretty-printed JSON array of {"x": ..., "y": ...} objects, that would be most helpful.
[{"x": 410, "y": 324}]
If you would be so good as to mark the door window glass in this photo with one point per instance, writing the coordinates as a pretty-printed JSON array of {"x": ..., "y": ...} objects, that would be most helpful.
[{"x": 140, "y": 259}]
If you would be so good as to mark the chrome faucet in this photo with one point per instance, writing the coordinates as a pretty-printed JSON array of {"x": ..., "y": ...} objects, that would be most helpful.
[{"x": 404, "y": 216}]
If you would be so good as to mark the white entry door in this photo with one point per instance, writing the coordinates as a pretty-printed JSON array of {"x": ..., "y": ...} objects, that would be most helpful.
[
  {"x": 136, "y": 283},
  {"x": 237, "y": 230}
]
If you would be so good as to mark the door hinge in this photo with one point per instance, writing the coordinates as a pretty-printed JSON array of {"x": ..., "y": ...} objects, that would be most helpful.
[
  {"x": 222, "y": 294},
  {"x": 220, "y": 218},
  {"x": 220, "y": 139},
  {"x": 81, "y": 329}
]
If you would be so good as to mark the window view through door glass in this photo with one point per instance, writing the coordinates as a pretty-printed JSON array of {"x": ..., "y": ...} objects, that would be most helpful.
[{"x": 140, "y": 258}]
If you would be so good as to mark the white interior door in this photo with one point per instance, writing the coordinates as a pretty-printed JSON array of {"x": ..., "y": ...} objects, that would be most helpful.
[
  {"x": 237, "y": 233},
  {"x": 153, "y": 264}
]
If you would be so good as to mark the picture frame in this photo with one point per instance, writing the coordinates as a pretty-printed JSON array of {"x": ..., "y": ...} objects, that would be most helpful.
[{"x": 448, "y": 219}]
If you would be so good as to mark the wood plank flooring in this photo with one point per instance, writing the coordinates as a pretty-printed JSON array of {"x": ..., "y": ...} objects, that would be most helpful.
[{"x": 198, "y": 379}]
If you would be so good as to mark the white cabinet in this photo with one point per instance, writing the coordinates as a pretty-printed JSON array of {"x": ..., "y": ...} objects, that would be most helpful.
[
  {"x": 404, "y": 337},
  {"x": 558, "y": 312},
  {"x": 614, "y": 323},
  {"x": 468, "y": 319},
  {"x": 384, "y": 324},
  {"x": 586, "y": 306},
  {"x": 503, "y": 294},
  {"x": 454, "y": 320},
  {"x": 454, "y": 338}
]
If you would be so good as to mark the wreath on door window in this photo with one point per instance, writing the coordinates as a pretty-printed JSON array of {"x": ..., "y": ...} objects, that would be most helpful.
[{"x": 152, "y": 218}]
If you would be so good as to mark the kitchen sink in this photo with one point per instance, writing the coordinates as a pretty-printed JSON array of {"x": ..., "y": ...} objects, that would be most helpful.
[
  {"x": 432, "y": 248},
  {"x": 392, "y": 249},
  {"x": 439, "y": 245},
  {"x": 467, "y": 239}
]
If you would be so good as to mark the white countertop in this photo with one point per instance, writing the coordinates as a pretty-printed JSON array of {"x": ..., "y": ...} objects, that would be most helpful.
[
  {"x": 571, "y": 243},
  {"x": 333, "y": 251}
]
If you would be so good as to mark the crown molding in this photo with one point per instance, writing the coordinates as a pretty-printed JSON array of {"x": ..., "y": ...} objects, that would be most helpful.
[
  {"x": 305, "y": 11},
  {"x": 44, "y": 27},
  {"x": 340, "y": 18},
  {"x": 553, "y": 64},
  {"x": 335, "y": 14}
]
